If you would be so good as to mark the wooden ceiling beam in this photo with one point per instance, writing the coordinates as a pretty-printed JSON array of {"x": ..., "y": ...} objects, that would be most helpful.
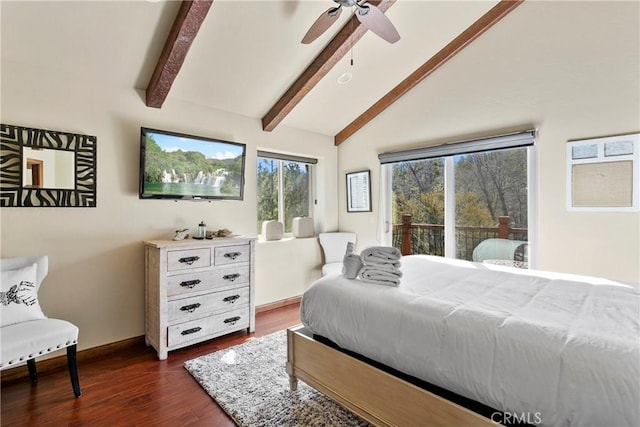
[
  {"x": 184, "y": 31},
  {"x": 485, "y": 22},
  {"x": 337, "y": 48}
]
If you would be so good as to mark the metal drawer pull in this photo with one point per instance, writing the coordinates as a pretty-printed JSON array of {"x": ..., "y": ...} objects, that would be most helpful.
[
  {"x": 191, "y": 331},
  {"x": 190, "y": 308},
  {"x": 232, "y": 255},
  {"x": 231, "y": 277},
  {"x": 190, "y": 283},
  {"x": 189, "y": 260},
  {"x": 231, "y": 299},
  {"x": 232, "y": 320}
]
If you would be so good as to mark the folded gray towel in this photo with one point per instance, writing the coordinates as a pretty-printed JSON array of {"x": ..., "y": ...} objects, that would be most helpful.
[
  {"x": 380, "y": 276},
  {"x": 351, "y": 263},
  {"x": 381, "y": 256}
]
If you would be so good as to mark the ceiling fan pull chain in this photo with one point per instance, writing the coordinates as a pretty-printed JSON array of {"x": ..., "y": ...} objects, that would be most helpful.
[{"x": 352, "y": 42}]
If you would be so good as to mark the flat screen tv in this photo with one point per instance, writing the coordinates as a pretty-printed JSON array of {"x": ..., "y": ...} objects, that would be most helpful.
[{"x": 187, "y": 167}]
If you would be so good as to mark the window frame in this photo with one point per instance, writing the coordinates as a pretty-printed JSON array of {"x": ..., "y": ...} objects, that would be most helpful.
[
  {"x": 447, "y": 152},
  {"x": 601, "y": 157},
  {"x": 283, "y": 159}
]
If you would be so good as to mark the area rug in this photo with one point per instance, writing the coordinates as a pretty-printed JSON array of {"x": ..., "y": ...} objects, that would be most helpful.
[{"x": 249, "y": 381}]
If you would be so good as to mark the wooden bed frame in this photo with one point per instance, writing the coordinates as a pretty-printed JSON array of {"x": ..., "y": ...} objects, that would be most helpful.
[{"x": 375, "y": 395}]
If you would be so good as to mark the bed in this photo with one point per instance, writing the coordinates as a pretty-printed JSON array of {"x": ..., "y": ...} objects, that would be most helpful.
[{"x": 554, "y": 349}]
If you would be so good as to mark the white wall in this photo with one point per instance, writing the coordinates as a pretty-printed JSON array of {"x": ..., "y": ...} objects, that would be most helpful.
[
  {"x": 291, "y": 265},
  {"x": 96, "y": 277},
  {"x": 531, "y": 70}
]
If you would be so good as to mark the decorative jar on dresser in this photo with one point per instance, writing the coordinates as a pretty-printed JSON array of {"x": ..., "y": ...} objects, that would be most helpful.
[{"x": 196, "y": 290}]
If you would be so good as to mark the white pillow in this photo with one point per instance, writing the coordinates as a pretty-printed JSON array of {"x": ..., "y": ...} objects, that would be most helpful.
[{"x": 19, "y": 296}]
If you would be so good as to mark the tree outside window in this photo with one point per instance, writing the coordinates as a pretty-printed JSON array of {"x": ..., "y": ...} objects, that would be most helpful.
[
  {"x": 488, "y": 185},
  {"x": 284, "y": 191}
]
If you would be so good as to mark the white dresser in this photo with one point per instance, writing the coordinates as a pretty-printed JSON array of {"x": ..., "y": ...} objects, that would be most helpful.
[{"x": 196, "y": 290}]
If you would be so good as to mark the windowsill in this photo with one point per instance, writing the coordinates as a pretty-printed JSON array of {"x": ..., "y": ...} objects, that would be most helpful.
[{"x": 286, "y": 238}]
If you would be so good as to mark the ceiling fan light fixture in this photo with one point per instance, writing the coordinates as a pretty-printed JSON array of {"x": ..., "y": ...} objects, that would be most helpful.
[{"x": 344, "y": 78}]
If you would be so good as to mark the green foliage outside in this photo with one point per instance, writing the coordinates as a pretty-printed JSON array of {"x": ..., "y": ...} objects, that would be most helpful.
[
  {"x": 499, "y": 181},
  {"x": 268, "y": 182},
  {"x": 488, "y": 185},
  {"x": 295, "y": 190},
  {"x": 418, "y": 190}
]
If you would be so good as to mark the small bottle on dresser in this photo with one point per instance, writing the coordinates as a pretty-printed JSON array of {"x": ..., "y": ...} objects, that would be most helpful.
[{"x": 202, "y": 230}]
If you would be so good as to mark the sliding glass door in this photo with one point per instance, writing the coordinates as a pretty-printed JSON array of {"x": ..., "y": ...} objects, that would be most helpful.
[{"x": 471, "y": 206}]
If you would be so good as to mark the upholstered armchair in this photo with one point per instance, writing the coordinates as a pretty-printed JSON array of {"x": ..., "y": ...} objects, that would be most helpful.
[
  {"x": 334, "y": 246},
  {"x": 26, "y": 333}
]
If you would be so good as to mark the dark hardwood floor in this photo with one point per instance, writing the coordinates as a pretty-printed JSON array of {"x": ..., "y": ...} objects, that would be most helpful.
[{"x": 131, "y": 388}]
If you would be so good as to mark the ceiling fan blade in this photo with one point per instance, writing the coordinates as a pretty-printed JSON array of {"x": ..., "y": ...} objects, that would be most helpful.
[
  {"x": 321, "y": 25},
  {"x": 373, "y": 18}
]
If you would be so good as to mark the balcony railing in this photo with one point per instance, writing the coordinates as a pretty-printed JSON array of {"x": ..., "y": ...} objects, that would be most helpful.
[{"x": 429, "y": 238}]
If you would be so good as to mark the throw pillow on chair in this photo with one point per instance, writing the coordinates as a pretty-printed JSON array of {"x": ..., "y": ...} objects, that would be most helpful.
[{"x": 19, "y": 296}]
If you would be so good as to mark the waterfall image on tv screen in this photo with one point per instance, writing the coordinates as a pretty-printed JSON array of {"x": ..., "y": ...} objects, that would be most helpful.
[{"x": 182, "y": 166}]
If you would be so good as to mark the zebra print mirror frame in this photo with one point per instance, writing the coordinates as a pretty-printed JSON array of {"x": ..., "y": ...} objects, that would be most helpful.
[{"x": 13, "y": 193}]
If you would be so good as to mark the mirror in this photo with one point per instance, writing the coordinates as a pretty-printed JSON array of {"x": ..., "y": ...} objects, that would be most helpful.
[{"x": 46, "y": 168}]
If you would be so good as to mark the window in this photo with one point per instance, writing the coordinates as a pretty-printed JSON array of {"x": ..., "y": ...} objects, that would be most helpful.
[
  {"x": 603, "y": 174},
  {"x": 447, "y": 200},
  {"x": 284, "y": 188}
]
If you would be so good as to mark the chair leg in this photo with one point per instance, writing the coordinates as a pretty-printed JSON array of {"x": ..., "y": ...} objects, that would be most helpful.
[
  {"x": 33, "y": 374},
  {"x": 72, "y": 362}
]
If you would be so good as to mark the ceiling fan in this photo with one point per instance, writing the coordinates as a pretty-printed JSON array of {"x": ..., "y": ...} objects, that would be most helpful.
[{"x": 368, "y": 14}]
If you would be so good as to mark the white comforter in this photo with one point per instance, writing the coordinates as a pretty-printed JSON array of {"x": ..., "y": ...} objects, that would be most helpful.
[{"x": 564, "y": 350}]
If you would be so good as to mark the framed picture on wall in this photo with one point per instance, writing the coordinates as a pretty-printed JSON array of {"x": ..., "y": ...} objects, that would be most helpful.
[
  {"x": 603, "y": 174},
  {"x": 46, "y": 168},
  {"x": 359, "y": 191}
]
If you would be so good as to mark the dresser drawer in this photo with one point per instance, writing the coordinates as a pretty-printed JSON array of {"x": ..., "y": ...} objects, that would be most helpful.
[
  {"x": 231, "y": 320},
  {"x": 190, "y": 331},
  {"x": 231, "y": 254},
  {"x": 198, "y": 329},
  {"x": 187, "y": 259},
  {"x": 183, "y": 284},
  {"x": 190, "y": 308}
]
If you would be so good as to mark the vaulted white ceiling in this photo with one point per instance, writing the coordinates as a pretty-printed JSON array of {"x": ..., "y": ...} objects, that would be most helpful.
[
  {"x": 247, "y": 54},
  {"x": 244, "y": 57}
]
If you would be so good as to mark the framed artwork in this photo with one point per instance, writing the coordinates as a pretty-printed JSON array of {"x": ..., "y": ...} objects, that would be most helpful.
[
  {"x": 45, "y": 168},
  {"x": 359, "y": 191},
  {"x": 603, "y": 174}
]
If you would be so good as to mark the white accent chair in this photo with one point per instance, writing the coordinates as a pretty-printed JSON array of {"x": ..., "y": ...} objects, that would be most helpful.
[
  {"x": 334, "y": 246},
  {"x": 25, "y": 340}
]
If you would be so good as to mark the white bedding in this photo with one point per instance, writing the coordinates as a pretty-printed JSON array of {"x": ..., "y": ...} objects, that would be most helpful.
[{"x": 562, "y": 349}]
